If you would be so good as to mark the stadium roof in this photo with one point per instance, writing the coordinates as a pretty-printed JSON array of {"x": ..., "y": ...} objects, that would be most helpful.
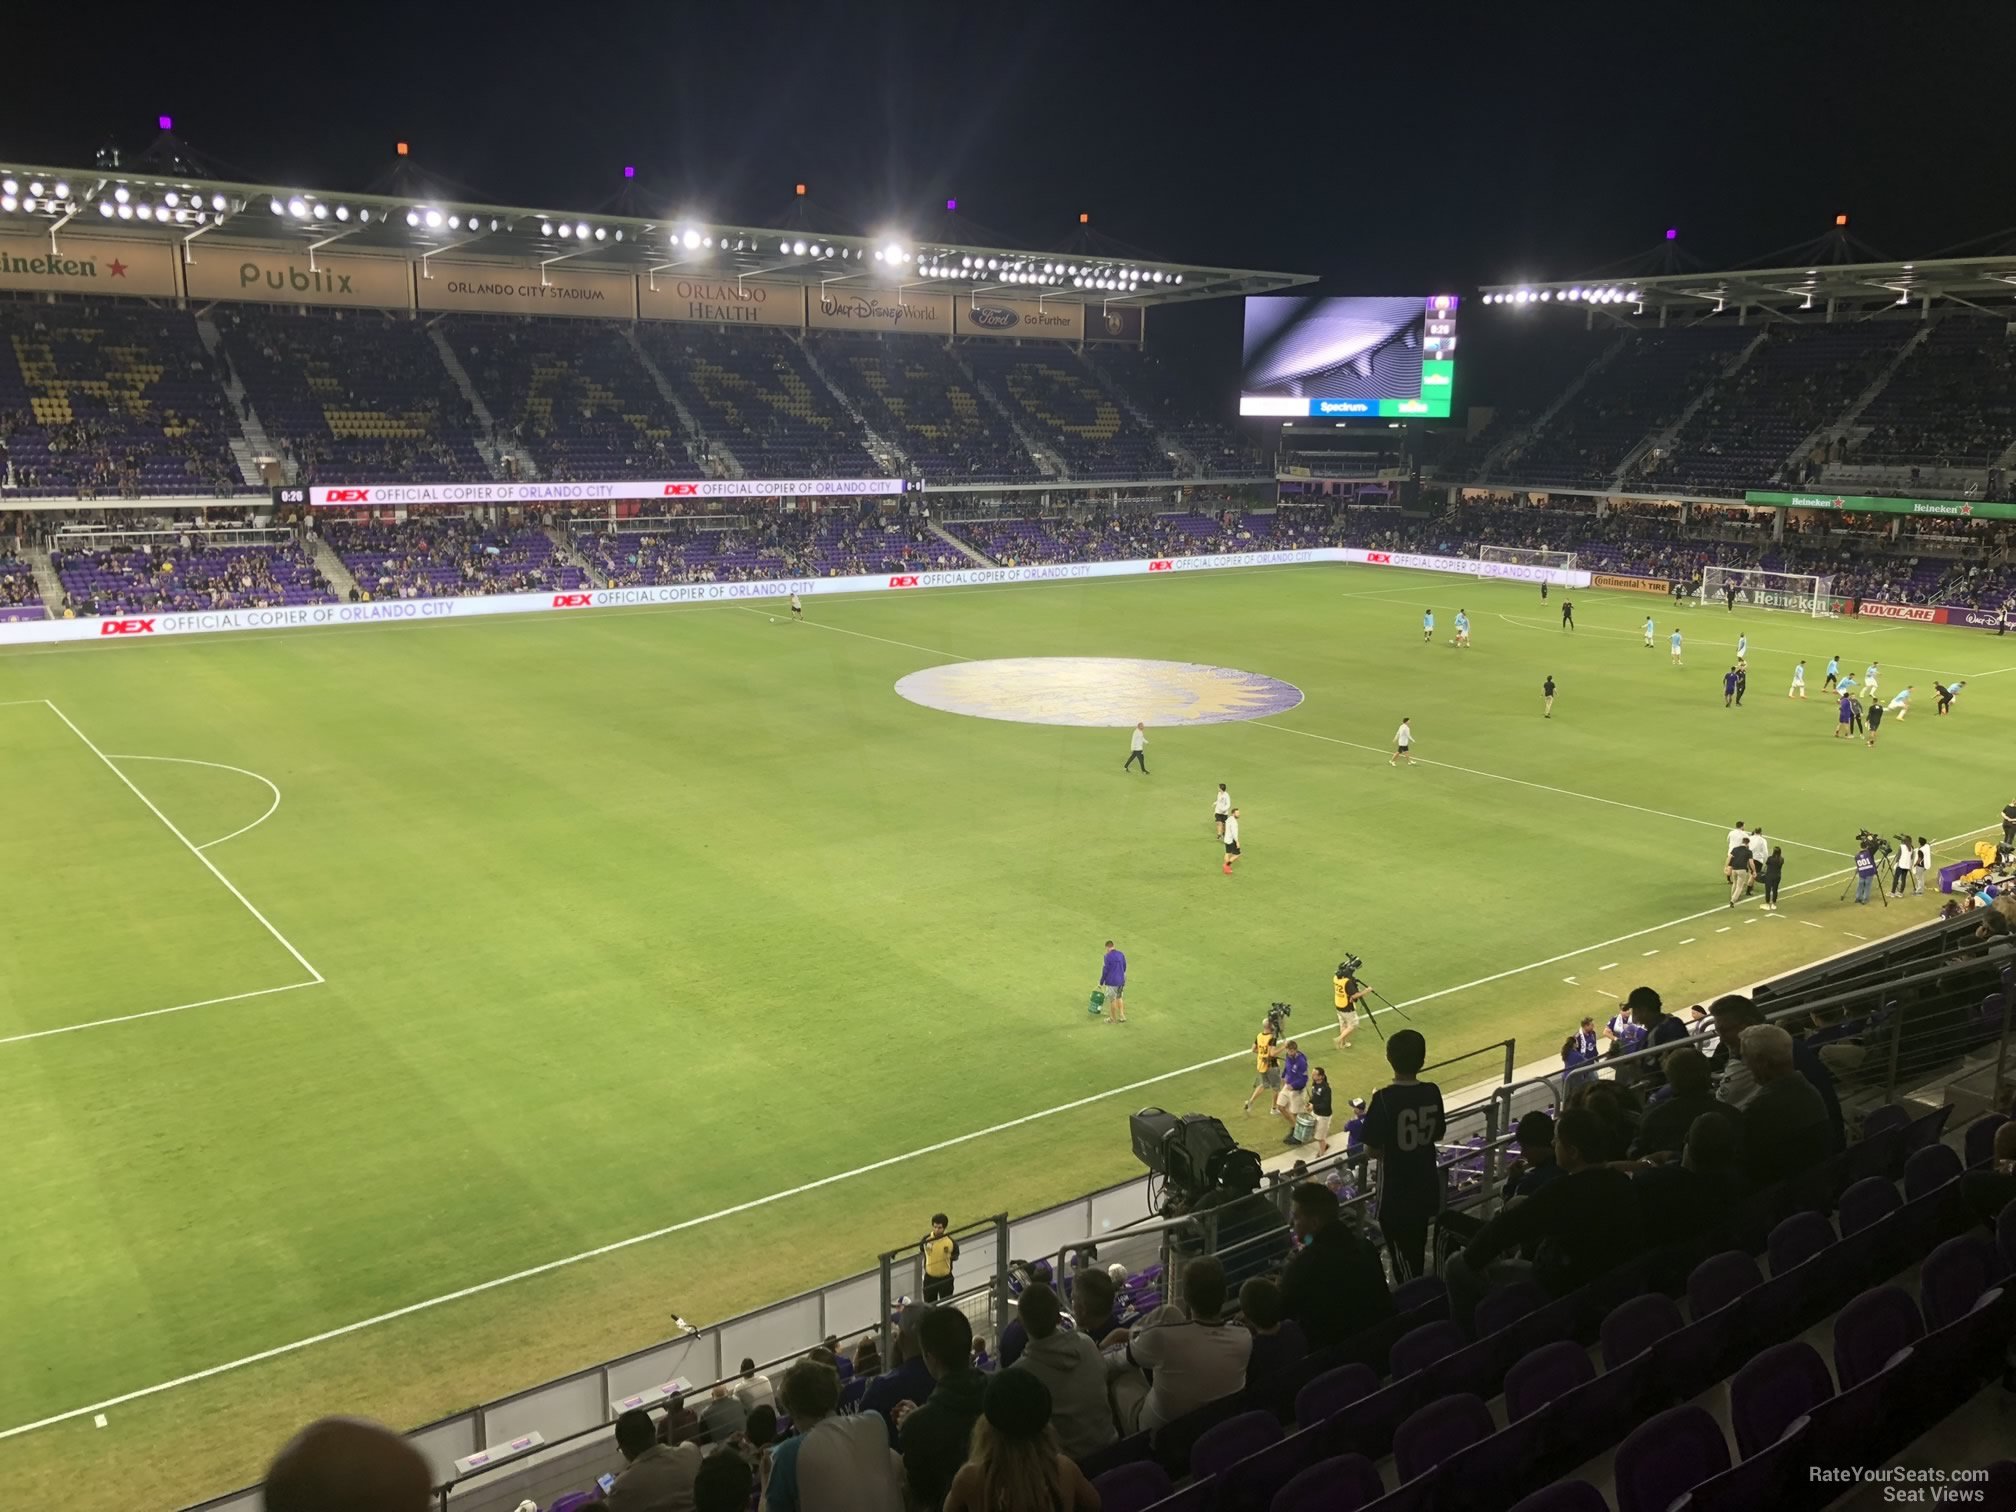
[
  {"x": 1865, "y": 286},
  {"x": 39, "y": 199}
]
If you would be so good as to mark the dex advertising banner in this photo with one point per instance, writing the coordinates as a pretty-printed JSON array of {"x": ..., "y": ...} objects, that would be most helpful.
[
  {"x": 1561, "y": 577},
  {"x": 500, "y": 289},
  {"x": 221, "y": 271},
  {"x": 838, "y": 308},
  {"x": 1019, "y": 318},
  {"x": 721, "y": 301},
  {"x": 87, "y": 265},
  {"x": 420, "y": 495}
]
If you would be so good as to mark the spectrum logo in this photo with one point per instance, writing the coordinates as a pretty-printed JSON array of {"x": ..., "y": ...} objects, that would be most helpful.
[{"x": 1346, "y": 407}]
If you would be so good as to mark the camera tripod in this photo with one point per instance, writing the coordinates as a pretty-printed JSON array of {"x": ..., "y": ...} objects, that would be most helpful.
[
  {"x": 1373, "y": 1014},
  {"x": 1886, "y": 867}
]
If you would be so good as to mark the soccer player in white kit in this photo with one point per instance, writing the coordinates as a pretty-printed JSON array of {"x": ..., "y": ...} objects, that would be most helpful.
[
  {"x": 1901, "y": 704},
  {"x": 1798, "y": 689},
  {"x": 797, "y": 610},
  {"x": 1403, "y": 742},
  {"x": 1742, "y": 647},
  {"x": 1676, "y": 648},
  {"x": 1462, "y": 628},
  {"x": 1220, "y": 807},
  {"x": 1137, "y": 749},
  {"x": 1231, "y": 840},
  {"x": 1648, "y": 632},
  {"x": 1869, "y": 679}
]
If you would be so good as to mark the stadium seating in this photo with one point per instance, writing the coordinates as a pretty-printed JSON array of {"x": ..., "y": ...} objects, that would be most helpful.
[
  {"x": 112, "y": 400},
  {"x": 1063, "y": 406},
  {"x": 132, "y": 579},
  {"x": 19, "y": 597},
  {"x": 358, "y": 397},
  {"x": 832, "y": 543},
  {"x": 1198, "y": 415},
  {"x": 450, "y": 557},
  {"x": 752, "y": 390},
  {"x": 574, "y": 393},
  {"x": 1952, "y": 401},
  {"x": 912, "y": 391}
]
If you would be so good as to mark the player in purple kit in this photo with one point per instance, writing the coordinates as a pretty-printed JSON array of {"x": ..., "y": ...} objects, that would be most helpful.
[{"x": 1113, "y": 983}]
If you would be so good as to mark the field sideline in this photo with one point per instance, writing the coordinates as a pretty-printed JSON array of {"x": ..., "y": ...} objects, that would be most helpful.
[{"x": 646, "y": 944}]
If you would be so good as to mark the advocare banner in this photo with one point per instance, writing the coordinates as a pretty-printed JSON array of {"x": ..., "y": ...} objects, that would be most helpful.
[
  {"x": 507, "y": 289},
  {"x": 142, "y": 627},
  {"x": 721, "y": 301},
  {"x": 218, "y": 270},
  {"x": 420, "y": 495},
  {"x": 1924, "y": 614},
  {"x": 87, "y": 265}
]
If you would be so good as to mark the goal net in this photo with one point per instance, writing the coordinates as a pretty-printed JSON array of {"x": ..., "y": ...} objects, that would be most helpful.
[
  {"x": 1526, "y": 556},
  {"x": 1799, "y": 592}
]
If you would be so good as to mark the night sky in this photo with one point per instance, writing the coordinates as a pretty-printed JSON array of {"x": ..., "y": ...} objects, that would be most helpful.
[{"x": 1390, "y": 149}]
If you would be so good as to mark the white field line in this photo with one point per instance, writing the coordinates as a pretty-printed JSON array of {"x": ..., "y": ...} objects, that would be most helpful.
[
  {"x": 193, "y": 849},
  {"x": 858, "y": 634},
  {"x": 824, "y": 1181},
  {"x": 271, "y": 786},
  {"x": 1522, "y": 782},
  {"x": 127, "y": 1018}
]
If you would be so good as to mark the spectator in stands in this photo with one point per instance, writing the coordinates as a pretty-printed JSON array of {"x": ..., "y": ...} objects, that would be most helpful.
[
  {"x": 1278, "y": 1340},
  {"x": 724, "y": 1484},
  {"x": 1536, "y": 1167},
  {"x": 908, "y": 1380},
  {"x": 1016, "y": 1461},
  {"x": 724, "y": 1415},
  {"x": 679, "y": 1425},
  {"x": 940, "y": 1250},
  {"x": 1685, "y": 1198},
  {"x": 1093, "y": 1307},
  {"x": 933, "y": 1436},
  {"x": 830, "y": 1463},
  {"x": 1650, "y": 1015},
  {"x": 754, "y": 1441},
  {"x": 1404, "y": 1127},
  {"x": 657, "y": 1477},
  {"x": 1576, "y": 1228},
  {"x": 1333, "y": 1285},
  {"x": 1666, "y": 1122},
  {"x": 1988, "y": 1192},
  {"x": 1616, "y": 1110},
  {"x": 867, "y": 1358},
  {"x": 344, "y": 1464},
  {"x": 755, "y": 1389},
  {"x": 1068, "y": 1364},
  {"x": 1785, "y": 1124},
  {"x": 1733, "y": 1014},
  {"x": 1197, "y": 1354}
]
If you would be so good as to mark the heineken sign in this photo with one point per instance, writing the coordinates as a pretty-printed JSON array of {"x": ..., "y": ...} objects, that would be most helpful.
[{"x": 1963, "y": 509}]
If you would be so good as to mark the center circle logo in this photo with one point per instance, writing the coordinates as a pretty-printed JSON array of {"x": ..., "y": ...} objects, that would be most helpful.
[{"x": 1106, "y": 692}]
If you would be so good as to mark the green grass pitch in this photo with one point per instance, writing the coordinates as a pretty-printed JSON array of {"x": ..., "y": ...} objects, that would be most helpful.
[{"x": 626, "y": 920}]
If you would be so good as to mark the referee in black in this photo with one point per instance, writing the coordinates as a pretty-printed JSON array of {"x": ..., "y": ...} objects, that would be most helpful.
[
  {"x": 1567, "y": 614},
  {"x": 2009, "y": 822}
]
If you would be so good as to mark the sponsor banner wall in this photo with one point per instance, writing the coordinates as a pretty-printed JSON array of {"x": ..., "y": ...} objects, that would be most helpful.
[
  {"x": 1973, "y": 619},
  {"x": 843, "y": 308},
  {"x": 222, "y": 271},
  {"x": 157, "y": 626},
  {"x": 88, "y": 265},
  {"x": 502, "y": 289},
  {"x": 1629, "y": 584},
  {"x": 1113, "y": 323},
  {"x": 1924, "y": 614},
  {"x": 720, "y": 301},
  {"x": 419, "y": 495},
  {"x": 1977, "y": 509},
  {"x": 1054, "y": 320}
]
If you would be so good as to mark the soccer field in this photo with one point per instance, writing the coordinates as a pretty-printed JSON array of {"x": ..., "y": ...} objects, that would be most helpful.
[{"x": 348, "y": 970}]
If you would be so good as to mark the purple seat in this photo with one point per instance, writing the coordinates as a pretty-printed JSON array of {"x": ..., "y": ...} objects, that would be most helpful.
[
  {"x": 1796, "y": 1240},
  {"x": 1195, "y": 1497},
  {"x": 1220, "y": 1447},
  {"x": 1483, "y": 1477},
  {"x": 1507, "y": 1305},
  {"x": 1422, "y": 1291},
  {"x": 1478, "y": 1368},
  {"x": 1342, "y": 1484},
  {"x": 1548, "y": 1373},
  {"x": 1764, "y": 1480},
  {"x": 1251, "y": 1484},
  {"x": 1438, "y": 1431},
  {"x": 1979, "y": 1142},
  {"x": 1565, "y": 1496},
  {"x": 1926, "y": 1130},
  {"x": 1867, "y": 1201},
  {"x": 1888, "y": 1116},
  {"x": 1129, "y": 1488},
  {"x": 1331, "y": 1392},
  {"x": 1635, "y": 1326},
  {"x": 1668, "y": 1457},
  {"x": 1421, "y": 1347},
  {"x": 1870, "y": 1332},
  {"x": 1774, "y": 1391},
  {"x": 1719, "y": 1280},
  {"x": 575, "y": 1499},
  {"x": 1929, "y": 1169},
  {"x": 2005, "y": 1234},
  {"x": 1126, "y": 1451},
  {"x": 1366, "y": 1427},
  {"x": 1955, "y": 1276}
]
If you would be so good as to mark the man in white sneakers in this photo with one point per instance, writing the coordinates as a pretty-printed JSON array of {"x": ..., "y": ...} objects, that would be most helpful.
[
  {"x": 1403, "y": 742},
  {"x": 1137, "y": 749},
  {"x": 1220, "y": 807},
  {"x": 1230, "y": 830}
]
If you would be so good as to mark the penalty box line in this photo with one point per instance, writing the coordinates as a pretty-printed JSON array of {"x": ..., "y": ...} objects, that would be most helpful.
[{"x": 548, "y": 1267}]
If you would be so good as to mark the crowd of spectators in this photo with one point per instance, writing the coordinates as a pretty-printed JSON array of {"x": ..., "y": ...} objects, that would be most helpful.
[
  {"x": 186, "y": 575},
  {"x": 917, "y": 396},
  {"x": 729, "y": 548},
  {"x": 1951, "y": 402},
  {"x": 449, "y": 556}
]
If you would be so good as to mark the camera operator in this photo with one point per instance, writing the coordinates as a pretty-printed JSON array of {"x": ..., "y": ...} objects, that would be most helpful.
[
  {"x": 1348, "y": 991},
  {"x": 1921, "y": 865},
  {"x": 1900, "y": 870},
  {"x": 1266, "y": 1062}
]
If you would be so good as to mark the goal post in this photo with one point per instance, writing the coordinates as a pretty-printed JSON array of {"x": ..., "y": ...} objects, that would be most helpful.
[
  {"x": 1798, "y": 592},
  {"x": 1525, "y": 556}
]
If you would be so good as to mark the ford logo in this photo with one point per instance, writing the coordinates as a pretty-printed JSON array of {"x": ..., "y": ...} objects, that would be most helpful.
[{"x": 991, "y": 317}]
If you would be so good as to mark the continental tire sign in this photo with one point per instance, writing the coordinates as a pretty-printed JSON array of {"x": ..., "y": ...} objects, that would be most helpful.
[{"x": 1630, "y": 584}]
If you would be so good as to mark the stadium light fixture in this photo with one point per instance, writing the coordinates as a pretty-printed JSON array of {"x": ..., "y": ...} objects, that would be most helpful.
[
  {"x": 10, "y": 186},
  {"x": 581, "y": 230},
  {"x": 342, "y": 212},
  {"x": 105, "y": 208},
  {"x": 298, "y": 208},
  {"x": 272, "y": 204},
  {"x": 9, "y": 203},
  {"x": 1840, "y": 220},
  {"x": 166, "y": 123},
  {"x": 566, "y": 231},
  {"x": 321, "y": 211},
  {"x": 601, "y": 233},
  {"x": 216, "y": 202},
  {"x": 35, "y": 190},
  {"x": 125, "y": 212},
  {"x": 545, "y": 228},
  {"x": 171, "y": 198},
  {"x": 619, "y": 231},
  {"x": 690, "y": 240},
  {"x": 433, "y": 219},
  {"x": 362, "y": 215},
  {"x": 1546, "y": 294},
  {"x": 797, "y": 249},
  {"x": 412, "y": 217}
]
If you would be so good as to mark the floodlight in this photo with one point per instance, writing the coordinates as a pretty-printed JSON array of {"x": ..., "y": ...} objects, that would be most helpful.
[
  {"x": 565, "y": 230},
  {"x": 122, "y": 196},
  {"x": 342, "y": 212},
  {"x": 1546, "y": 293},
  {"x": 878, "y": 254},
  {"x": 690, "y": 240},
  {"x": 619, "y": 230},
  {"x": 581, "y": 229},
  {"x": 321, "y": 212},
  {"x": 797, "y": 249},
  {"x": 895, "y": 252},
  {"x": 10, "y": 186},
  {"x": 181, "y": 217},
  {"x": 1077, "y": 283},
  {"x": 966, "y": 262},
  {"x": 363, "y": 215},
  {"x": 545, "y": 228},
  {"x": 125, "y": 212},
  {"x": 171, "y": 198},
  {"x": 216, "y": 202},
  {"x": 601, "y": 233},
  {"x": 412, "y": 217},
  {"x": 1179, "y": 278},
  {"x": 105, "y": 208},
  {"x": 298, "y": 208},
  {"x": 993, "y": 263},
  {"x": 9, "y": 203},
  {"x": 35, "y": 190}
]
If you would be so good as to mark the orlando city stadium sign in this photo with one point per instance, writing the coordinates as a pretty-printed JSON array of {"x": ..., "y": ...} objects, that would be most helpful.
[{"x": 412, "y": 495}]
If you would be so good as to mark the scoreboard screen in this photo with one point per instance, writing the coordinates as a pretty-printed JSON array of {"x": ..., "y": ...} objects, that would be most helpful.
[{"x": 1358, "y": 358}]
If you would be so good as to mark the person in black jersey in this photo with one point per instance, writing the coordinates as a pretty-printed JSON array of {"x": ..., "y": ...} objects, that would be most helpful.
[
  {"x": 1567, "y": 614},
  {"x": 1547, "y": 691},
  {"x": 1543, "y": 590},
  {"x": 2009, "y": 822},
  {"x": 1403, "y": 1129}
]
